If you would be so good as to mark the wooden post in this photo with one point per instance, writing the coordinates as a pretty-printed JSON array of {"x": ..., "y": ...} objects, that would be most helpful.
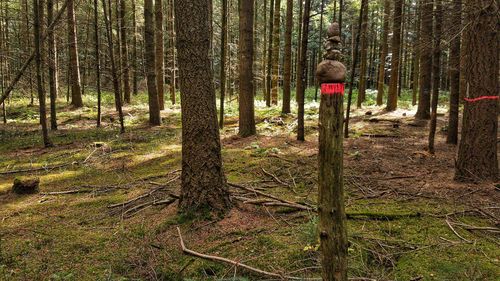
[{"x": 332, "y": 219}]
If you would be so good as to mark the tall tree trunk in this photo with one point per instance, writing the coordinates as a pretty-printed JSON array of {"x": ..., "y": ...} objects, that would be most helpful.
[
  {"x": 355, "y": 59},
  {"x": 264, "y": 54},
  {"x": 392, "y": 99},
  {"x": 383, "y": 53},
  {"x": 276, "y": 53},
  {"x": 97, "y": 61},
  {"x": 135, "y": 78},
  {"x": 301, "y": 70},
  {"x": 436, "y": 77},
  {"x": 477, "y": 153},
  {"x": 38, "y": 23},
  {"x": 320, "y": 41},
  {"x": 364, "y": 55},
  {"x": 159, "y": 60},
  {"x": 124, "y": 52},
  {"x": 287, "y": 78},
  {"x": 456, "y": 23},
  {"x": 52, "y": 64},
  {"x": 416, "y": 59},
  {"x": 424, "y": 99},
  {"x": 246, "y": 100},
  {"x": 3, "y": 58},
  {"x": 204, "y": 185},
  {"x": 76, "y": 95},
  {"x": 173, "y": 53},
  {"x": 270, "y": 53},
  {"x": 223, "y": 58},
  {"x": 150, "y": 60},
  {"x": 111, "y": 52},
  {"x": 297, "y": 54}
]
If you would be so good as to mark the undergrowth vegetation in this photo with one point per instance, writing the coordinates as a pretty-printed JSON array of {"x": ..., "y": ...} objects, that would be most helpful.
[{"x": 396, "y": 231}]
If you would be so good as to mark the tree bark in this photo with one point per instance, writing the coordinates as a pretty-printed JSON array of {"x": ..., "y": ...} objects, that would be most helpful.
[
  {"x": 392, "y": 99},
  {"x": 436, "y": 77},
  {"x": 477, "y": 153},
  {"x": 76, "y": 95},
  {"x": 38, "y": 20},
  {"x": 150, "y": 59},
  {"x": 364, "y": 55},
  {"x": 124, "y": 52},
  {"x": 424, "y": 99},
  {"x": 276, "y": 53},
  {"x": 287, "y": 78},
  {"x": 246, "y": 100},
  {"x": 172, "y": 50},
  {"x": 301, "y": 71},
  {"x": 159, "y": 60},
  {"x": 223, "y": 58},
  {"x": 416, "y": 59},
  {"x": 97, "y": 61},
  {"x": 320, "y": 43},
  {"x": 52, "y": 64},
  {"x": 355, "y": 59},
  {"x": 270, "y": 54},
  {"x": 111, "y": 52},
  {"x": 204, "y": 187},
  {"x": 383, "y": 53},
  {"x": 456, "y": 23},
  {"x": 135, "y": 67}
]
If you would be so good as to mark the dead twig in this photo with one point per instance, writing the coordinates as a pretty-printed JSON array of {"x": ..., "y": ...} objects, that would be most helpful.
[
  {"x": 147, "y": 194},
  {"x": 290, "y": 203},
  {"x": 236, "y": 263},
  {"x": 276, "y": 179},
  {"x": 44, "y": 168},
  {"x": 454, "y": 231}
]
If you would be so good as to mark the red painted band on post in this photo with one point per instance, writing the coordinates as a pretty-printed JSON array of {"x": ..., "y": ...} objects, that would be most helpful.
[
  {"x": 332, "y": 89},
  {"x": 481, "y": 98}
]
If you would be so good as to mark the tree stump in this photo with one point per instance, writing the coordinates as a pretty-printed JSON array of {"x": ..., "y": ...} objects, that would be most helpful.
[{"x": 26, "y": 186}]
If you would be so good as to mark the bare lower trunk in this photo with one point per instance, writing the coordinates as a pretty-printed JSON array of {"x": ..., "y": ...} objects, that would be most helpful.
[
  {"x": 436, "y": 78},
  {"x": 204, "y": 186},
  {"x": 383, "y": 54},
  {"x": 301, "y": 71},
  {"x": 392, "y": 99},
  {"x": 124, "y": 52},
  {"x": 287, "y": 79},
  {"x": 159, "y": 60},
  {"x": 424, "y": 99},
  {"x": 38, "y": 14},
  {"x": 76, "y": 94},
  {"x": 150, "y": 60},
  {"x": 477, "y": 153},
  {"x": 53, "y": 71},
  {"x": 246, "y": 100},
  {"x": 454, "y": 73}
]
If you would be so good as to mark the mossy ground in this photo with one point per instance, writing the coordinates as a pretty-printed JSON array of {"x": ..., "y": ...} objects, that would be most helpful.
[{"x": 77, "y": 237}]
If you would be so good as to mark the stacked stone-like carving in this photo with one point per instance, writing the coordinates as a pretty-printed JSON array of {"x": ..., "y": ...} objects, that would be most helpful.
[{"x": 331, "y": 70}]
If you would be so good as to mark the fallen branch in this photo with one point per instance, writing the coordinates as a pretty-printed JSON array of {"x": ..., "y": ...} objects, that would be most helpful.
[
  {"x": 236, "y": 263},
  {"x": 147, "y": 194},
  {"x": 380, "y": 136},
  {"x": 290, "y": 203},
  {"x": 275, "y": 178},
  {"x": 454, "y": 231},
  {"x": 45, "y": 168}
]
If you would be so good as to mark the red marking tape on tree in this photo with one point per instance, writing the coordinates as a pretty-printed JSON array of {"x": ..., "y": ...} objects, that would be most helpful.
[
  {"x": 481, "y": 98},
  {"x": 332, "y": 89}
]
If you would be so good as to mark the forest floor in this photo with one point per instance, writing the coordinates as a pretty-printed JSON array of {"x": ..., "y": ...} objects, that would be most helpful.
[{"x": 408, "y": 219}]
